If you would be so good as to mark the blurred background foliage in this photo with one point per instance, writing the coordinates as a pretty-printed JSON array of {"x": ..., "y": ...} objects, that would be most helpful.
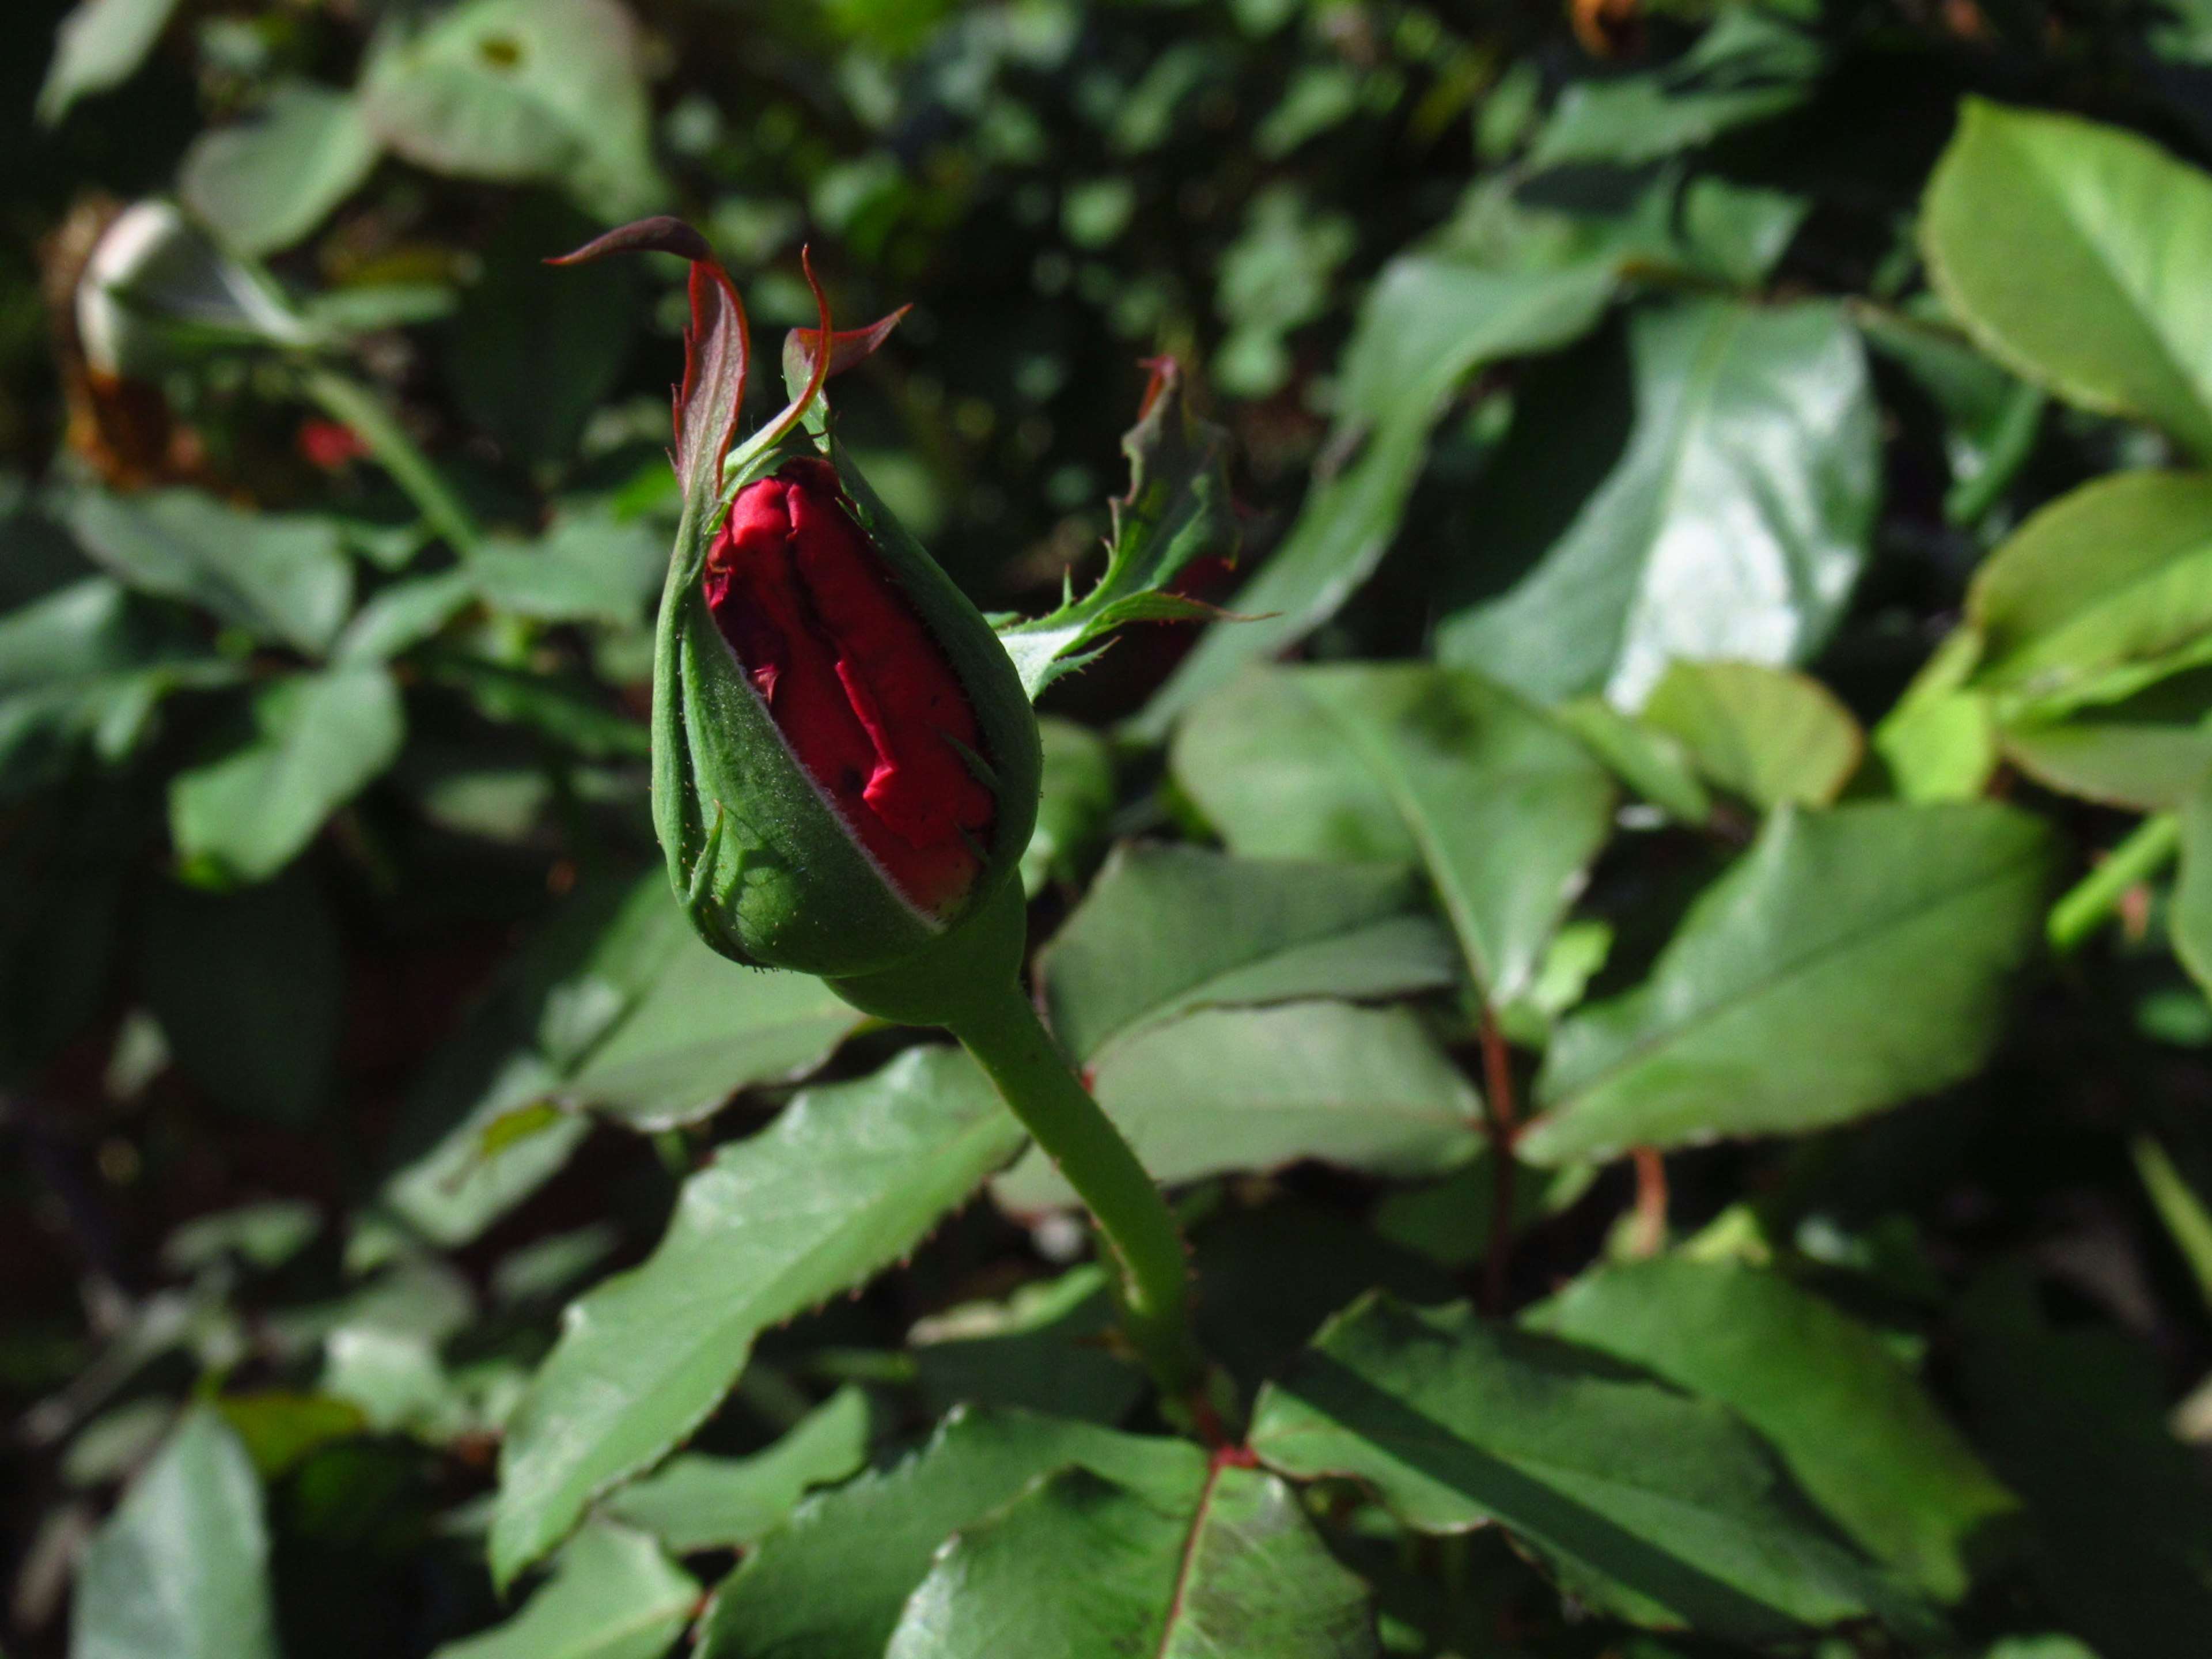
[{"x": 340, "y": 1040}]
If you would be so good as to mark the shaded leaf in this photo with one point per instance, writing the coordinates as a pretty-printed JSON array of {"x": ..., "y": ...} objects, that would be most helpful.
[
  {"x": 1852, "y": 1424},
  {"x": 2074, "y": 1420},
  {"x": 1756, "y": 1018},
  {"x": 613, "y": 1596},
  {"x": 696, "y": 1502},
  {"x": 846, "y": 1181},
  {"x": 1669, "y": 1501},
  {"x": 323, "y": 738},
  {"x": 1215, "y": 1564},
  {"x": 1044, "y": 1348},
  {"x": 1733, "y": 527},
  {"x": 1166, "y": 930},
  {"x": 181, "y": 1571},
  {"x": 831, "y": 1582},
  {"x": 1257, "y": 1088},
  {"x": 247, "y": 985}
]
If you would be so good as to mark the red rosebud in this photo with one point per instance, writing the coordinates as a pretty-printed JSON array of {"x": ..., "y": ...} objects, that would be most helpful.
[{"x": 862, "y": 693}]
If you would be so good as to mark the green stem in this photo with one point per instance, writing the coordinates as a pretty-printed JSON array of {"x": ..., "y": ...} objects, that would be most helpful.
[
  {"x": 970, "y": 984},
  {"x": 2133, "y": 862},
  {"x": 1005, "y": 1035},
  {"x": 347, "y": 400}
]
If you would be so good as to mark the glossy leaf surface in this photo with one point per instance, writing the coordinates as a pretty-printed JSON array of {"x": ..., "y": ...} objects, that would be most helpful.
[
  {"x": 847, "y": 1180},
  {"x": 1706, "y": 542},
  {"x": 1750, "y": 1022}
]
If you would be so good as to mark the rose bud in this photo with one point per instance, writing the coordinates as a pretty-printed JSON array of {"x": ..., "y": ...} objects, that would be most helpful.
[{"x": 845, "y": 763}]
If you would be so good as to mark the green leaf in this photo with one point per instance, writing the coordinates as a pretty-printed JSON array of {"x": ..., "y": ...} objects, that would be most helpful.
[
  {"x": 322, "y": 738},
  {"x": 1851, "y": 1424},
  {"x": 703, "y": 1028},
  {"x": 1219, "y": 1562},
  {"x": 1701, "y": 545},
  {"x": 1755, "y": 1019},
  {"x": 1427, "y": 324},
  {"x": 1075, "y": 800},
  {"x": 1166, "y": 930},
  {"x": 1257, "y": 1088},
  {"x": 87, "y": 664},
  {"x": 587, "y": 568},
  {"x": 181, "y": 1571},
  {"x": 99, "y": 44},
  {"x": 518, "y": 90},
  {"x": 2103, "y": 754},
  {"x": 1766, "y": 735},
  {"x": 1671, "y": 1506},
  {"x": 849, "y": 1179},
  {"x": 2100, "y": 594},
  {"x": 1177, "y": 510},
  {"x": 831, "y": 1581},
  {"x": 247, "y": 985},
  {"x": 2076, "y": 254},
  {"x": 695, "y": 1502},
  {"x": 1650, "y": 762},
  {"x": 613, "y": 1596},
  {"x": 1749, "y": 66},
  {"x": 282, "y": 578},
  {"x": 1504, "y": 808},
  {"x": 264, "y": 183}
]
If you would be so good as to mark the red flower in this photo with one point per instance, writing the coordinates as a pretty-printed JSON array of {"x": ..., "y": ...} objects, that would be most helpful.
[
  {"x": 865, "y": 696},
  {"x": 330, "y": 443}
]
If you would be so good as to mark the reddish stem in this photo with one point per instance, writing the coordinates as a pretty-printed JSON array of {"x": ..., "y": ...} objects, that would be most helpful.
[
  {"x": 1504, "y": 1130},
  {"x": 1650, "y": 1237}
]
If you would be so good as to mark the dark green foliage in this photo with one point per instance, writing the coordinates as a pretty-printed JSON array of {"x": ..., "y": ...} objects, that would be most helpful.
[{"x": 1626, "y": 824}]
